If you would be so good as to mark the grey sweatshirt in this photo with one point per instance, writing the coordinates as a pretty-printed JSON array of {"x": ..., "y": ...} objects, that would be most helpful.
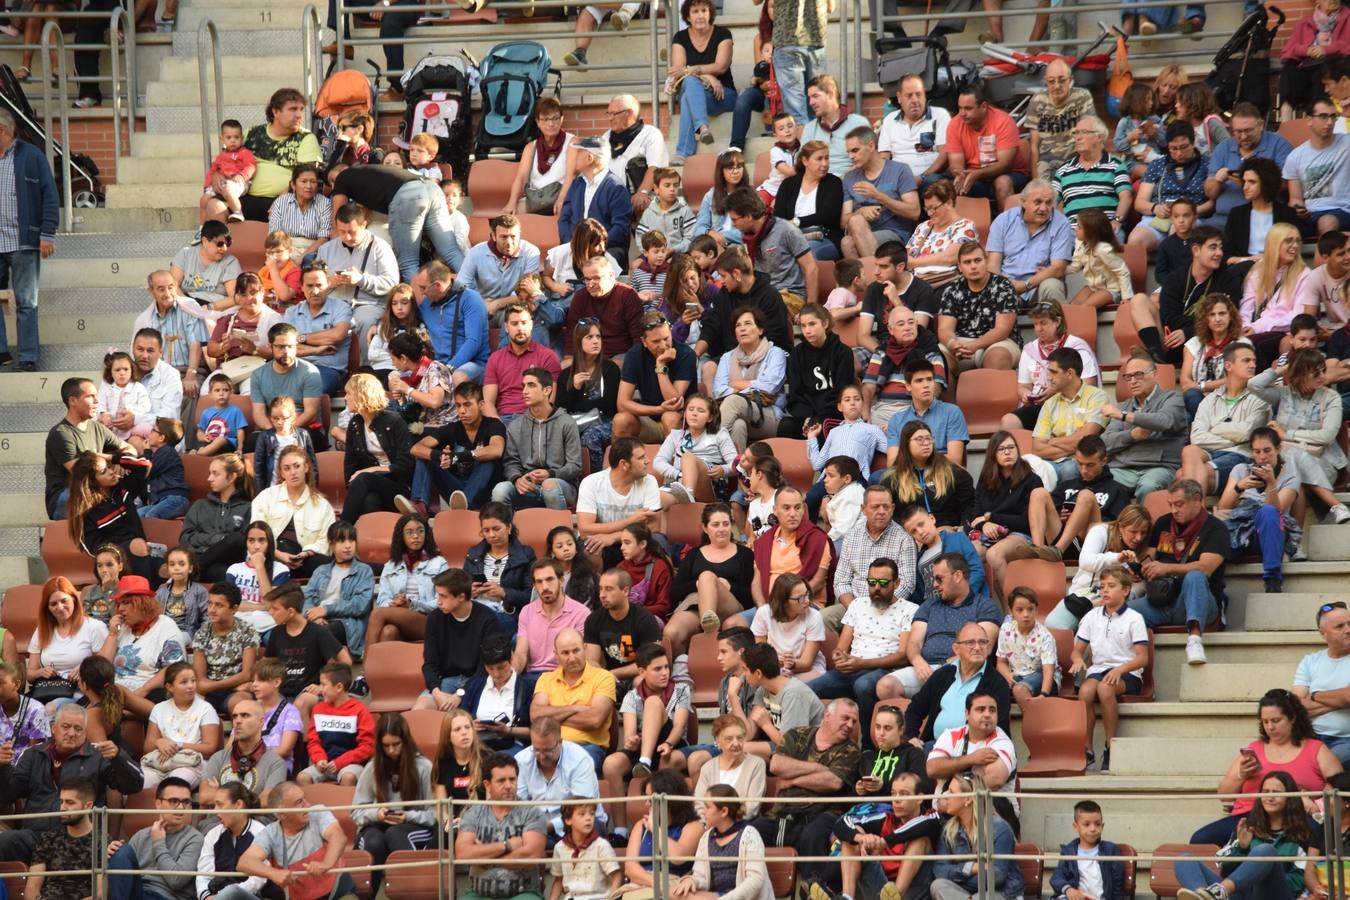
[
  {"x": 178, "y": 851},
  {"x": 365, "y": 793},
  {"x": 553, "y": 444},
  {"x": 1164, "y": 414}
]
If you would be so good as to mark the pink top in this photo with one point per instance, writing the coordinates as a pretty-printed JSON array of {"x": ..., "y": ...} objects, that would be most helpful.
[
  {"x": 1303, "y": 768},
  {"x": 1278, "y": 311},
  {"x": 231, "y": 165},
  {"x": 539, "y": 631},
  {"x": 507, "y": 371}
]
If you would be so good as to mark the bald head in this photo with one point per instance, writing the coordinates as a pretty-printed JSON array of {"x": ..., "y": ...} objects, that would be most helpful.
[
  {"x": 571, "y": 652},
  {"x": 1058, "y": 81}
]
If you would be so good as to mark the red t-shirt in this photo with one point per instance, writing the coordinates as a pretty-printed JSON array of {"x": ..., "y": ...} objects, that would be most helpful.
[{"x": 980, "y": 148}]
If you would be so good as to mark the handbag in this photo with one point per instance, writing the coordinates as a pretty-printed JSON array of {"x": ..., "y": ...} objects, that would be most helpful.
[
  {"x": 183, "y": 759},
  {"x": 1120, "y": 80},
  {"x": 45, "y": 690}
]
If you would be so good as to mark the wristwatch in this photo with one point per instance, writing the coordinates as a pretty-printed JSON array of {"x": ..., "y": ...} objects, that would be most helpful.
[{"x": 304, "y": 338}]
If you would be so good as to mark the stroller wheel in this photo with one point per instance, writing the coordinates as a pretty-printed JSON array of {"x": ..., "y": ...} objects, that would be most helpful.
[{"x": 86, "y": 200}]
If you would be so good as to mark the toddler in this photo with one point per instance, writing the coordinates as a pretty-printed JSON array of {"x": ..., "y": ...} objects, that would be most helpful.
[
  {"x": 782, "y": 156},
  {"x": 1027, "y": 656},
  {"x": 668, "y": 212},
  {"x": 220, "y": 429},
  {"x": 1136, "y": 107},
  {"x": 121, "y": 394},
  {"x": 649, "y": 275},
  {"x": 422, "y": 150},
  {"x": 845, "y": 301},
  {"x": 584, "y": 863},
  {"x": 166, "y": 486},
  {"x": 231, "y": 172},
  {"x": 844, "y": 486}
]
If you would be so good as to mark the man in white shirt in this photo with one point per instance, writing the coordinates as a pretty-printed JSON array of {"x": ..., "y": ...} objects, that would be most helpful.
[
  {"x": 161, "y": 380},
  {"x": 1317, "y": 174},
  {"x": 915, "y": 135},
  {"x": 630, "y": 139},
  {"x": 610, "y": 500},
  {"x": 978, "y": 746},
  {"x": 182, "y": 331}
]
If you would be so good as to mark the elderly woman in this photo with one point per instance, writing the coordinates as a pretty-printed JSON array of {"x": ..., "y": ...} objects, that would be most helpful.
[
  {"x": 743, "y": 772},
  {"x": 713, "y": 218},
  {"x": 142, "y": 641},
  {"x": 378, "y": 464},
  {"x": 932, "y": 249},
  {"x": 729, "y": 864},
  {"x": 303, "y": 213},
  {"x": 700, "y": 70},
  {"x": 234, "y": 343},
  {"x": 1322, "y": 33},
  {"x": 546, "y": 164},
  {"x": 296, "y": 512},
  {"x": 814, "y": 200},
  {"x": 1245, "y": 231},
  {"x": 1180, "y": 173},
  {"x": 206, "y": 270},
  {"x": 750, "y": 381}
]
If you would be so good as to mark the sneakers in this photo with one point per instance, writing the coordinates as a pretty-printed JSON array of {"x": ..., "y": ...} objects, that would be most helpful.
[
  {"x": 575, "y": 57},
  {"x": 704, "y": 134},
  {"x": 619, "y": 20},
  {"x": 642, "y": 770},
  {"x": 6, "y": 359},
  {"x": 1091, "y": 757},
  {"x": 1299, "y": 555},
  {"x": 411, "y": 507},
  {"x": 28, "y": 367},
  {"x": 91, "y": 103},
  {"x": 1195, "y": 651},
  {"x": 1274, "y": 585},
  {"x": 681, "y": 493},
  {"x": 677, "y": 161},
  {"x": 1338, "y": 514},
  {"x": 235, "y": 217},
  {"x": 359, "y": 687},
  {"x": 710, "y": 623},
  {"x": 1213, "y": 892},
  {"x": 1147, "y": 27},
  {"x": 471, "y": 6},
  {"x": 459, "y": 500}
]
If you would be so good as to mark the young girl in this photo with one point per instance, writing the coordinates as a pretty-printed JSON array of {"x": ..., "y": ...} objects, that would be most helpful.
[
  {"x": 852, "y": 437},
  {"x": 1130, "y": 141},
  {"x": 580, "y": 581},
  {"x": 685, "y": 298},
  {"x": 257, "y": 575},
  {"x": 182, "y": 597},
  {"x": 649, "y": 567},
  {"x": 793, "y": 627},
  {"x": 407, "y": 594},
  {"x": 119, "y": 394},
  {"x": 282, "y": 727},
  {"x": 395, "y": 772},
  {"x": 766, "y": 477},
  {"x": 226, "y": 842},
  {"x": 108, "y": 703},
  {"x": 1096, "y": 254},
  {"x": 400, "y": 315},
  {"x": 24, "y": 721},
  {"x": 226, "y": 651},
  {"x": 420, "y": 384},
  {"x": 844, "y": 486},
  {"x": 458, "y": 771},
  {"x": 184, "y": 730},
  {"x": 339, "y": 594},
  {"x": 584, "y": 862},
  {"x": 499, "y": 564},
  {"x": 696, "y": 459},
  {"x": 1027, "y": 656},
  {"x": 1118, "y": 639},
  {"x": 102, "y": 508},
  {"x": 1196, "y": 104},
  {"x": 214, "y": 526},
  {"x": 282, "y": 434},
  {"x": 110, "y": 564}
]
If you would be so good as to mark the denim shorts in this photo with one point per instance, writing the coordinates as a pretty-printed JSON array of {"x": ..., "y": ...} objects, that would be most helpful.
[
  {"x": 1032, "y": 682},
  {"x": 1133, "y": 683}
]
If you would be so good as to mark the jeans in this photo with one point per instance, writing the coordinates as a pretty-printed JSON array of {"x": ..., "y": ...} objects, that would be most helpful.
[
  {"x": 1217, "y": 832},
  {"x": 595, "y": 438},
  {"x": 697, "y": 104},
  {"x": 1336, "y": 744},
  {"x": 371, "y": 492},
  {"x": 331, "y": 378},
  {"x": 127, "y": 887},
  {"x": 395, "y": 22},
  {"x": 168, "y": 508},
  {"x": 1164, "y": 16},
  {"x": 595, "y": 752},
  {"x": 556, "y": 494},
  {"x": 22, "y": 267},
  {"x": 794, "y": 67},
  {"x": 417, "y": 209},
  {"x": 1065, "y": 468},
  {"x": 1259, "y": 878},
  {"x": 860, "y": 685},
  {"x": 814, "y": 497},
  {"x": 1269, "y": 540},
  {"x": 824, "y": 249},
  {"x": 476, "y": 486},
  {"x": 1196, "y": 604},
  {"x": 749, "y": 101},
  {"x": 1144, "y": 481},
  {"x": 379, "y": 840},
  {"x": 91, "y": 31},
  {"x": 58, "y": 507},
  {"x": 1192, "y": 399}
]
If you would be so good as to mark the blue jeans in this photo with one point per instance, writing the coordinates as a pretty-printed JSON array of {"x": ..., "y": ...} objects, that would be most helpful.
[
  {"x": 168, "y": 508},
  {"x": 1217, "y": 832},
  {"x": 1224, "y": 462},
  {"x": 697, "y": 104},
  {"x": 814, "y": 497},
  {"x": 1196, "y": 604},
  {"x": 22, "y": 267},
  {"x": 476, "y": 487},
  {"x": 1337, "y": 745},
  {"x": 1259, "y": 878},
  {"x": 556, "y": 494},
  {"x": 418, "y": 209},
  {"x": 127, "y": 887},
  {"x": 1065, "y": 469},
  {"x": 1269, "y": 540},
  {"x": 1192, "y": 399},
  {"x": 749, "y": 101},
  {"x": 1163, "y": 16},
  {"x": 824, "y": 249},
  {"x": 794, "y": 67},
  {"x": 331, "y": 378},
  {"x": 860, "y": 685},
  {"x": 58, "y": 507},
  {"x": 595, "y": 752}
]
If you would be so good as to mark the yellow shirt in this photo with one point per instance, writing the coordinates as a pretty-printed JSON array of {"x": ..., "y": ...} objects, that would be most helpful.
[
  {"x": 594, "y": 682},
  {"x": 1061, "y": 416}
]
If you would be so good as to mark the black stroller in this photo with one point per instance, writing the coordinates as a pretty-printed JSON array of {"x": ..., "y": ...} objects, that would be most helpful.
[
  {"x": 1242, "y": 67},
  {"x": 86, "y": 189}
]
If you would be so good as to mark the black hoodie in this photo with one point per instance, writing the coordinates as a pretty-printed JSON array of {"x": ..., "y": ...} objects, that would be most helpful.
[
  {"x": 720, "y": 331},
  {"x": 815, "y": 377}
]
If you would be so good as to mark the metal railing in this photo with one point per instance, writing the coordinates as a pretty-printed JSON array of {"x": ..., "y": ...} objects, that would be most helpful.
[
  {"x": 207, "y": 30},
  {"x": 311, "y": 57},
  {"x": 52, "y": 30}
]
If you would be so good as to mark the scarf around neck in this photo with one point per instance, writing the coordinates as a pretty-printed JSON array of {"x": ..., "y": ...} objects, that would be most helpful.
[
  {"x": 644, "y": 692},
  {"x": 750, "y": 362},
  {"x": 844, "y": 113},
  {"x": 577, "y": 848},
  {"x": 752, "y": 241},
  {"x": 546, "y": 152},
  {"x": 619, "y": 141},
  {"x": 1183, "y": 539}
]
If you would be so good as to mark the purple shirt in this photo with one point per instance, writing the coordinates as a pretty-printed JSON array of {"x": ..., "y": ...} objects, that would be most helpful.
[
  {"x": 539, "y": 631},
  {"x": 507, "y": 370}
]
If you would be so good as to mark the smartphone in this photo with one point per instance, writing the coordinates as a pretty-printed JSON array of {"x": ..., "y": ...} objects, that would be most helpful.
[
  {"x": 1247, "y": 752},
  {"x": 693, "y": 307}
]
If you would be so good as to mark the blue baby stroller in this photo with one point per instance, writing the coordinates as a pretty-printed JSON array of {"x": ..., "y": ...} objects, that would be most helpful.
[{"x": 514, "y": 75}]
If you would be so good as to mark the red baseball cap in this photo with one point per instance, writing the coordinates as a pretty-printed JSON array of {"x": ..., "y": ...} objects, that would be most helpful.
[{"x": 132, "y": 586}]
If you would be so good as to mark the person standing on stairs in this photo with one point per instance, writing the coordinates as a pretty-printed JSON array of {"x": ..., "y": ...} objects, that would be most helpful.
[{"x": 28, "y": 221}]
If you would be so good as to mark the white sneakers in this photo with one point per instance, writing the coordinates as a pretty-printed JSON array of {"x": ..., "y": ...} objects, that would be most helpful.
[
  {"x": 1195, "y": 651},
  {"x": 1338, "y": 514}
]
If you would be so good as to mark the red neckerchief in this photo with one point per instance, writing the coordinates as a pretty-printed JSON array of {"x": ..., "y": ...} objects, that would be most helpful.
[
  {"x": 578, "y": 848},
  {"x": 501, "y": 258},
  {"x": 896, "y": 352},
  {"x": 844, "y": 113},
  {"x": 415, "y": 378},
  {"x": 752, "y": 240},
  {"x": 659, "y": 270},
  {"x": 1213, "y": 350},
  {"x": 644, "y": 692},
  {"x": 142, "y": 628},
  {"x": 546, "y": 154},
  {"x": 411, "y": 561},
  {"x": 791, "y": 147},
  {"x": 1059, "y": 343},
  {"x": 1181, "y": 540},
  {"x": 243, "y": 763}
]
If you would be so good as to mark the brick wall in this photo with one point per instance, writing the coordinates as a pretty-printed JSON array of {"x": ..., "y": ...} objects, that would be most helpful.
[{"x": 94, "y": 138}]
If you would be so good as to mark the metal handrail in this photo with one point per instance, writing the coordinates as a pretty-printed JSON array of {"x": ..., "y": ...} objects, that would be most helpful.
[
  {"x": 311, "y": 56},
  {"x": 206, "y": 29},
  {"x": 50, "y": 29},
  {"x": 121, "y": 18}
]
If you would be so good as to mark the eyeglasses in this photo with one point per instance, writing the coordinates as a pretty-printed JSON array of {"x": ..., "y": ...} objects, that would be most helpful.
[
  {"x": 177, "y": 802},
  {"x": 1135, "y": 376},
  {"x": 414, "y": 532},
  {"x": 922, "y": 438},
  {"x": 316, "y": 265},
  {"x": 1325, "y": 117},
  {"x": 550, "y": 118},
  {"x": 614, "y": 113},
  {"x": 974, "y": 642},
  {"x": 1007, "y": 448},
  {"x": 800, "y": 598},
  {"x": 733, "y": 165},
  {"x": 878, "y": 582}
]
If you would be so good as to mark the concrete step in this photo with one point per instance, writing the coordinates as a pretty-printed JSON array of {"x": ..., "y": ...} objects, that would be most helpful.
[
  {"x": 187, "y": 144},
  {"x": 140, "y": 171},
  {"x": 93, "y": 245},
  {"x": 282, "y": 38},
  {"x": 235, "y": 90},
  {"x": 140, "y": 220},
  {"x": 108, "y": 271},
  {"x": 279, "y": 68},
  {"x": 1259, "y": 611},
  {"x": 164, "y": 195},
  {"x": 21, "y": 569},
  {"x": 1133, "y": 812},
  {"x": 26, "y": 509},
  {"x": 1229, "y": 681},
  {"x": 1146, "y": 756},
  {"x": 1327, "y": 543},
  {"x": 31, "y": 418},
  {"x": 22, "y": 447},
  {"x": 188, "y": 119},
  {"x": 74, "y": 329},
  {"x": 240, "y": 17},
  {"x": 93, "y": 301}
]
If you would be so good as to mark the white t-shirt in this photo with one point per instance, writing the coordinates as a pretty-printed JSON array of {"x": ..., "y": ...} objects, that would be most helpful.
[
  {"x": 954, "y": 743},
  {"x": 791, "y": 637},
  {"x": 183, "y": 726},
  {"x": 876, "y": 633},
  {"x": 64, "y": 654},
  {"x": 1111, "y": 638},
  {"x": 597, "y": 496},
  {"x": 1324, "y": 174},
  {"x": 139, "y": 658},
  {"x": 806, "y": 203},
  {"x": 1033, "y": 366},
  {"x": 759, "y": 511},
  {"x": 901, "y": 138},
  {"x": 777, "y": 157},
  {"x": 1090, "y": 872}
]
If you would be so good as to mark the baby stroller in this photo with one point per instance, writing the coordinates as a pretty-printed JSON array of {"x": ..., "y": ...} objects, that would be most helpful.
[
  {"x": 927, "y": 55},
  {"x": 437, "y": 97},
  {"x": 1011, "y": 77},
  {"x": 512, "y": 77},
  {"x": 86, "y": 189},
  {"x": 343, "y": 90},
  {"x": 1242, "y": 67}
]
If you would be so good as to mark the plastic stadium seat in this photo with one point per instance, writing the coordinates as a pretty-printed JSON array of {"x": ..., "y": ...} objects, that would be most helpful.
[
  {"x": 761, "y": 167},
  {"x": 1136, "y": 260},
  {"x": 163, "y": 531},
  {"x": 425, "y": 725},
  {"x": 535, "y": 524},
  {"x": 684, "y": 524},
  {"x": 374, "y": 535},
  {"x": 984, "y": 395},
  {"x": 490, "y": 185},
  {"x": 1124, "y": 333},
  {"x": 1044, "y": 576},
  {"x": 417, "y": 883},
  {"x": 977, "y": 211},
  {"x": 703, "y": 668},
  {"x": 782, "y": 867},
  {"x": 19, "y": 613},
  {"x": 1064, "y": 651},
  {"x": 456, "y": 531},
  {"x": 1146, "y": 694},
  {"x": 1167, "y": 380},
  {"x": 351, "y": 858},
  {"x": 14, "y": 875},
  {"x": 1295, "y": 131},
  {"x": 329, "y": 795},
  {"x": 63, "y": 557},
  {"x": 1055, "y": 732},
  {"x": 1082, "y": 322},
  {"x": 791, "y": 455},
  {"x": 1156, "y": 504},
  {"x": 478, "y": 229},
  {"x": 247, "y": 239},
  {"x": 849, "y": 331},
  {"x": 825, "y": 281},
  {"x": 1130, "y": 868},
  {"x": 393, "y": 671},
  {"x": 196, "y": 468},
  {"x": 1033, "y": 870},
  {"x": 540, "y": 230},
  {"x": 1024, "y": 439},
  {"x": 1162, "y": 878},
  {"x": 141, "y": 813},
  {"x": 332, "y": 477},
  {"x": 699, "y": 172}
]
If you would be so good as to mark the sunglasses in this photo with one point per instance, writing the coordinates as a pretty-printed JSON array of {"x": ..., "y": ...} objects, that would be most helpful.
[
  {"x": 587, "y": 322},
  {"x": 1328, "y": 607},
  {"x": 222, "y": 243},
  {"x": 653, "y": 322},
  {"x": 878, "y": 582},
  {"x": 317, "y": 265}
]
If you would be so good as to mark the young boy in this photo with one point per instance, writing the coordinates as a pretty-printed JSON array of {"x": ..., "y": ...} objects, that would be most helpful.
[
  {"x": 655, "y": 713},
  {"x": 1078, "y": 874},
  {"x": 452, "y": 651},
  {"x": 781, "y": 703},
  {"x": 1173, "y": 253},
  {"x": 282, "y": 726},
  {"x": 649, "y": 275},
  {"x": 1118, "y": 639},
  {"x": 668, "y": 212},
  {"x": 585, "y": 865},
  {"x": 166, "y": 487},
  {"x": 231, "y": 171},
  {"x": 1094, "y": 496},
  {"x": 459, "y": 223},
  {"x": 302, "y": 647},
  {"x": 220, "y": 429},
  {"x": 735, "y": 693},
  {"x": 782, "y": 156},
  {"x": 422, "y": 150},
  {"x": 846, "y": 300},
  {"x": 1027, "y": 656},
  {"x": 341, "y": 731},
  {"x": 910, "y": 828},
  {"x": 844, "y": 488}
]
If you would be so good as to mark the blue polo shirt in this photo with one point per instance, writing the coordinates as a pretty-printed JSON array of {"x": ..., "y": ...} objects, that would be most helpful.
[
  {"x": 1226, "y": 156},
  {"x": 945, "y": 420},
  {"x": 307, "y": 322},
  {"x": 1025, "y": 253},
  {"x": 894, "y": 181},
  {"x": 491, "y": 276},
  {"x": 951, "y": 711}
]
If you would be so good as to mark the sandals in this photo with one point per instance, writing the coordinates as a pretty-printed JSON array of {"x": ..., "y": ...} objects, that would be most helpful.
[
  {"x": 23, "y": 75},
  {"x": 710, "y": 622}
]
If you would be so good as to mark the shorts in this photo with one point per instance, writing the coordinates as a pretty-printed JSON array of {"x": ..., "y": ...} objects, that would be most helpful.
[
  {"x": 1307, "y": 224},
  {"x": 1133, "y": 683},
  {"x": 664, "y": 736},
  {"x": 1028, "y": 414},
  {"x": 449, "y": 684},
  {"x": 650, "y": 430},
  {"x": 1032, "y": 682},
  {"x": 985, "y": 189},
  {"x": 1223, "y": 462},
  {"x": 235, "y": 187},
  {"x": 319, "y": 777},
  {"x": 886, "y": 235},
  {"x": 977, "y": 361},
  {"x": 909, "y": 680}
]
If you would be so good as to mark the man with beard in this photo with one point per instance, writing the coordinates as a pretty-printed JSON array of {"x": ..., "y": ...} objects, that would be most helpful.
[
  {"x": 66, "y": 848},
  {"x": 246, "y": 760},
  {"x": 615, "y": 630},
  {"x": 542, "y": 619}
]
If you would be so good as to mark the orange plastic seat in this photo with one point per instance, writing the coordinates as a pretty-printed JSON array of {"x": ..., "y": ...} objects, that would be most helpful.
[
  {"x": 374, "y": 536},
  {"x": 393, "y": 671},
  {"x": 246, "y": 245},
  {"x": 984, "y": 395},
  {"x": 1124, "y": 332},
  {"x": 163, "y": 531},
  {"x": 1082, "y": 322},
  {"x": 1024, "y": 439},
  {"x": 490, "y": 185},
  {"x": 791, "y": 455},
  {"x": 540, "y": 230},
  {"x": 329, "y": 795},
  {"x": 332, "y": 477},
  {"x": 1055, "y": 732},
  {"x": 976, "y": 210},
  {"x": 699, "y": 172},
  {"x": 143, "y": 802},
  {"x": 63, "y": 557},
  {"x": 1157, "y": 505},
  {"x": 195, "y": 469},
  {"x": 14, "y": 874},
  {"x": 1130, "y": 868},
  {"x": 1033, "y": 870},
  {"x": 684, "y": 524},
  {"x": 1064, "y": 652},
  {"x": 456, "y": 531},
  {"x": 422, "y": 882},
  {"x": 1136, "y": 260},
  {"x": 1162, "y": 876},
  {"x": 425, "y": 725},
  {"x": 19, "y": 613},
  {"x": 703, "y": 668},
  {"x": 1295, "y": 131},
  {"x": 849, "y": 331},
  {"x": 535, "y": 524},
  {"x": 782, "y": 866},
  {"x": 1045, "y": 577},
  {"x": 761, "y": 167},
  {"x": 351, "y": 858},
  {"x": 825, "y": 280}
]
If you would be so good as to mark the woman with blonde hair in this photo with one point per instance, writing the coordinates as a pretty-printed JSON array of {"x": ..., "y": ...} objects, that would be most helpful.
[
  {"x": 64, "y": 638},
  {"x": 1271, "y": 291},
  {"x": 294, "y": 505},
  {"x": 1106, "y": 544},
  {"x": 958, "y": 879},
  {"x": 378, "y": 464}
]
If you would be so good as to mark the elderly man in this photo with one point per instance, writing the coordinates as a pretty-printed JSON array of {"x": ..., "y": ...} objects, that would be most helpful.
[
  {"x": 415, "y": 206},
  {"x": 1145, "y": 434},
  {"x": 941, "y": 617},
  {"x": 1250, "y": 139},
  {"x": 323, "y": 324},
  {"x": 552, "y": 769},
  {"x": 877, "y": 535},
  {"x": 169, "y": 844},
  {"x": 779, "y": 251},
  {"x": 362, "y": 270},
  {"x": 881, "y": 200},
  {"x": 246, "y": 760},
  {"x": 1184, "y": 566},
  {"x": 616, "y": 307},
  {"x": 1322, "y": 680},
  {"x": 1092, "y": 178},
  {"x": 1051, "y": 117},
  {"x": 915, "y": 135},
  {"x": 28, "y": 223},
  {"x": 290, "y": 375},
  {"x": 456, "y": 319},
  {"x": 656, "y": 377},
  {"x": 35, "y": 775},
  {"x": 1221, "y": 428},
  {"x": 161, "y": 380},
  {"x": 78, "y": 431},
  {"x": 183, "y": 332},
  {"x": 977, "y": 317},
  {"x": 308, "y": 842},
  {"x": 832, "y": 122},
  {"x": 1033, "y": 246},
  {"x": 799, "y": 51},
  {"x": 600, "y": 194},
  {"x": 982, "y": 148},
  {"x": 940, "y": 704},
  {"x": 495, "y": 266},
  {"x": 885, "y": 386},
  {"x": 279, "y": 145},
  {"x": 634, "y": 146},
  {"x": 578, "y": 695}
]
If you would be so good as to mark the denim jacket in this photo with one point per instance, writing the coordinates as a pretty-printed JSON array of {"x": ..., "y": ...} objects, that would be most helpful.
[{"x": 352, "y": 608}]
